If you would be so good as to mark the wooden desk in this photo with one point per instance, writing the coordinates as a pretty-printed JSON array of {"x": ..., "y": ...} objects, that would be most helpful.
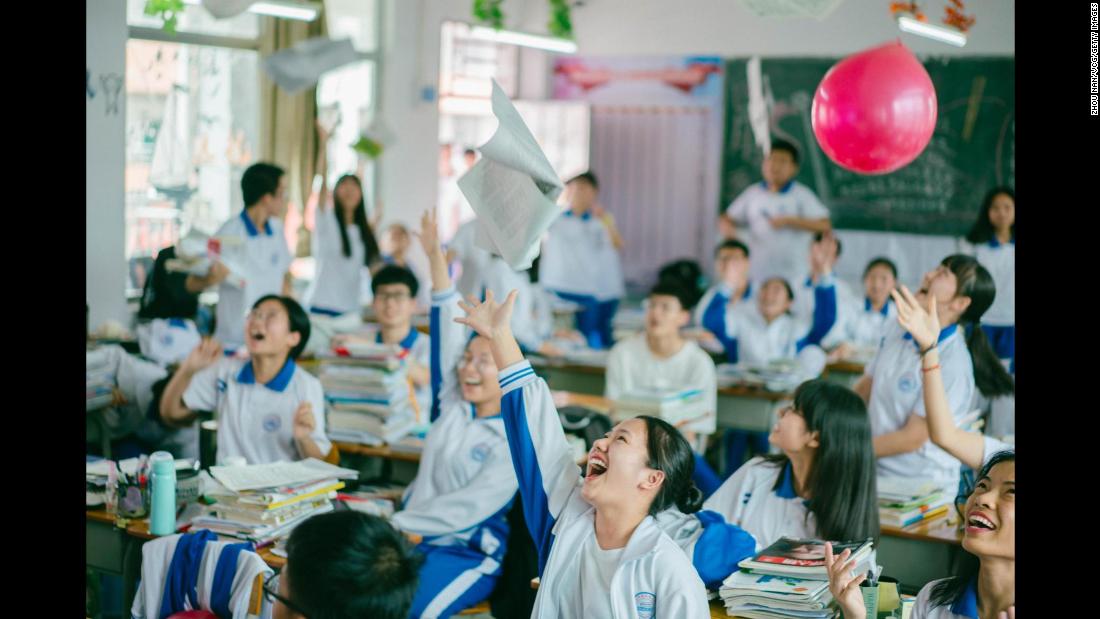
[
  {"x": 381, "y": 451},
  {"x": 921, "y": 554},
  {"x": 563, "y": 375},
  {"x": 844, "y": 372}
]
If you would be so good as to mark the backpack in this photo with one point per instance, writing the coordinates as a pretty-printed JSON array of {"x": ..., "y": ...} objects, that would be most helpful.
[{"x": 585, "y": 423}]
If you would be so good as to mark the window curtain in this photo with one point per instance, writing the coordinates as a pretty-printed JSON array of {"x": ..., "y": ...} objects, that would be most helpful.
[{"x": 288, "y": 137}]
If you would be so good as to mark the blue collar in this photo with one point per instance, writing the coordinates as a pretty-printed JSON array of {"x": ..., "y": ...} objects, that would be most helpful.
[
  {"x": 885, "y": 311},
  {"x": 995, "y": 243},
  {"x": 251, "y": 227},
  {"x": 247, "y": 376},
  {"x": 944, "y": 334},
  {"x": 783, "y": 189},
  {"x": 748, "y": 291},
  {"x": 967, "y": 605},
  {"x": 786, "y": 487},
  {"x": 585, "y": 217},
  {"x": 405, "y": 344}
]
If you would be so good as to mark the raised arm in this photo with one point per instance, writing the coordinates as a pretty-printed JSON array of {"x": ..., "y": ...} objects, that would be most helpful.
[
  {"x": 549, "y": 479},
  {"x": 321, "y": 166},
  {"x": 822, "y": 256},
  {"x": 448, "y": 337},
  {"x": 924, "y": 326},
  {"x": 174, "y": 411}
]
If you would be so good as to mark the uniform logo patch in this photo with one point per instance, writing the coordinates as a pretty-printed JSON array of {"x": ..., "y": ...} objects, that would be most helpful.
[
  {"x": 645, "y": 602},
  {"x": 272, "y": 422},
  {"x": 166, "y": 339},
  {"x": 480, "y": 452},
  {"x": 907, "y": 383},
  {"x": 220, "y": 385}
]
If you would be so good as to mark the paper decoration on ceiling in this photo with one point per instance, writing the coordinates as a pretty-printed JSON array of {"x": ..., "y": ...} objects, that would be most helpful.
[
  {"x": 299, "y": 67},
  {"x": 818, "y": 9}
]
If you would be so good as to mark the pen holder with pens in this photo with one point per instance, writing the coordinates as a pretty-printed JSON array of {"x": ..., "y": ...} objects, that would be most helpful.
[{"x": 133, "y": 501}]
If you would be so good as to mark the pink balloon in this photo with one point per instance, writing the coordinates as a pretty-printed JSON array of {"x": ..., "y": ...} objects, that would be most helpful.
[{"x": 875, "y": 111}]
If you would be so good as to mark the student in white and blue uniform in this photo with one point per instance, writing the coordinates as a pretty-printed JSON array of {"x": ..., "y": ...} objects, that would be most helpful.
[
  {"x": 465, "y": 485},
  {"x": 254, "y": 248},
  {"x": 803, "y": 305},
  {"x": 781, "y": 215},
  {"x": 267, "y": 408},
  {"x": 394, "y": 291},
  {"x": 821, "y": 485},
  {"x": 344, "y": 244},
  {"x": 527, "y": 324},
  {"x": 892, "y": 380},
  {"x": 876, "y": 310},
  {"x": 731, "y": 269},
  {"x": 992, "y": 240},
  {"x": 765, "y": 331},
  {"x": 600, "y": 550},
  {"x": 581, "y": 263},
  {"x": 984, "y": 576}
]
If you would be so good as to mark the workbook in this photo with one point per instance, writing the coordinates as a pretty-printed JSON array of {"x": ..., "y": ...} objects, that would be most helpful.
[{"x": 802, "y": 558}]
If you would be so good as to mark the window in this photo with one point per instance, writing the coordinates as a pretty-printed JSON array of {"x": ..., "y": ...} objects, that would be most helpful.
[{"x": 192, "y": 127}]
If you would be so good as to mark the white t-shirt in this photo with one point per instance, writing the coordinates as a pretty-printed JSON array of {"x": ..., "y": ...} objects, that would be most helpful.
[
  {"x": 992, "y": 445},
  {"x": 965, "y": 608},
  {"x": 336, "y": 286},
  {"x": 578, "y": 257},
  {"x": 896, "y": 392},
  {"x": 262, "y": 258},
  {"x": 750, "y": 500},
  {"x": 783, "y": 251},
  {"x": 631, "y": 366},
  {"x": 1000, "y": 261},
  {"x": 256, "y": 421},
  {"x": 598, "y": 565}
]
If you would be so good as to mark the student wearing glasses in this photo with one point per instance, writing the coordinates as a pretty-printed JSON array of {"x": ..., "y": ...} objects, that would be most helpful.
[
  {"x": 267, "y": 408},
  {"x": 463, "y": 491},
  {"x": 344, "y": 564}
]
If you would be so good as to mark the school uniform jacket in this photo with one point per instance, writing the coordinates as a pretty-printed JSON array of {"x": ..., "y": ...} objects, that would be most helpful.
[
  {"x": 465, "y": 484},
  {"x": 654, "y": 579},
  {"x": 754, "y": 341}
]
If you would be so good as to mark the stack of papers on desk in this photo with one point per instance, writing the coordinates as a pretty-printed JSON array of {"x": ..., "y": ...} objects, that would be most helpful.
[
  {"x": 674, "y": 406},
  {"x": 99, "y": 379},
  {"x": 905, "y": 502},
  {"x": 367, "y": 394}
]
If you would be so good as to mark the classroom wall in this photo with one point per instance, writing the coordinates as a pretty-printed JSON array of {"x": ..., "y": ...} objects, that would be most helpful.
[{"x": 104, "y": 198}]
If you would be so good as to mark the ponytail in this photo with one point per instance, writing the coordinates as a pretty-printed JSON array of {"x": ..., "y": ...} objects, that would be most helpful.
[
  {"x": 692, "y": 499},
  {"x": 670, "y": 453},
  {"x": 975, "y": 282}
]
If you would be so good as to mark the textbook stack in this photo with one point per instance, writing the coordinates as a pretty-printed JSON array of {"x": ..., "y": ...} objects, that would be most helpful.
[
  {"x": 99, "y": 381},
  {"x": 265, "y": 514},
  {"x": 904, "y": 502},
  {"x": 672, "y": 405},
  {"x": 787, "y": 579},
  {"x": 367, "y": 394}
]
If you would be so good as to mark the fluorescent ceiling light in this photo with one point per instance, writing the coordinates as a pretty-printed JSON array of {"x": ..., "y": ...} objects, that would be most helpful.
[
  {"x": 932, "y": 31},
  {"x": 287, "y": 9},
  {"x": 524, "y": 39}
]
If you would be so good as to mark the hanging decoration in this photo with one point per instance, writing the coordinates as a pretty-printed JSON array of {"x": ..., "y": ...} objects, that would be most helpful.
[
  {"x": 953, "y": 14},
  {"x": 167, "y": 10},
  {"x": 488, "y": 12}
]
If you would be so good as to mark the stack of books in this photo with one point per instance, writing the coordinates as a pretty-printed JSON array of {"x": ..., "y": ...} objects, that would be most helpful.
[
  {"x": 99, "y": 380},
  {"x": 367, "y": 394},
  {"x": 904, "y": 502},
  {"x": 788, "y": 579},
  {"x": 672, "y": 405},
  {"x": 263, "y": 503}
]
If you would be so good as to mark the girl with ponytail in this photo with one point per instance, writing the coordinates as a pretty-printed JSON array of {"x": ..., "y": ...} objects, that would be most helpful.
[
  {"x": 892, "y": 382},
  {"x": 601, "y": 551}
]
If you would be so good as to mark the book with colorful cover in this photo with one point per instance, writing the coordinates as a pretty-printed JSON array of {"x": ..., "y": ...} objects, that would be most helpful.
[
  {"x": 772, "y": 586},
  {"x": 802, "y": 558},
  {"x": 902, "y": 519}
]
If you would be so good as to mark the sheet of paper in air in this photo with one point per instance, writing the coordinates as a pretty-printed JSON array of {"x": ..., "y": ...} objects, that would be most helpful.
[
  {"x": 300, "y": 66},
  {"x": 512, "y": 188}
]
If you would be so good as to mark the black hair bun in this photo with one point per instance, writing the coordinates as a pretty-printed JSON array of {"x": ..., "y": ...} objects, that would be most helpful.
[{"x": 692, "y": 500}]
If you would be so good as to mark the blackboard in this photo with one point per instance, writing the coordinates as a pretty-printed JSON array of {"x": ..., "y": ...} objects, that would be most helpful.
[{"x": 972, "y": 149}]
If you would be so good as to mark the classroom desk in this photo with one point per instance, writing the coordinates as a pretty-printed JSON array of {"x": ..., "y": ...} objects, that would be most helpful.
[
  {"x": 844, "y": 372},
  {"x": 920, "y": 554}
]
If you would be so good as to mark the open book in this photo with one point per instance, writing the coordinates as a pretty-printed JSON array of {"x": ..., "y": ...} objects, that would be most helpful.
[{"x": 513, "y": 189}]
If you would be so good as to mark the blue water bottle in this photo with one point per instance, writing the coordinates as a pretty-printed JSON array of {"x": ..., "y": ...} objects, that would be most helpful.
[{"x": 162, "y": 521}]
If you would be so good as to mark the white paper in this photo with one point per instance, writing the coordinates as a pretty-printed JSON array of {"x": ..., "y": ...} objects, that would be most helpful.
[
  {"x": 256, "y": 476},
  {"x": 299, "y": 67},
  {"x": 513, "y": 189}
]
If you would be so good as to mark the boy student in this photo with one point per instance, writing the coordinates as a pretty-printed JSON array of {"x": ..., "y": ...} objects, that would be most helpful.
[
  {"x": 394, "y": 289},
  {"x": 660, "y": 358},
  {"x": 267, "y": 409},
  {"x": 803, "y": 304},
  {"x": 257, "y": 254},
  {"x": 580, "y": 260},
  {"x": 344, "y": 564},
  {"x": 781, "y": 214},
  {"x": 731, "y": 270}
]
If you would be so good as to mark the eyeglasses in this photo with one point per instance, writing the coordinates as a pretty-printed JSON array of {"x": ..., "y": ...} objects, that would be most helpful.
[
  {"x": 481, "y": 364},
  {"x": 392, "y": 296},
  {"x": 264, "y": 317},
  {"x": 270, "y": 586}
]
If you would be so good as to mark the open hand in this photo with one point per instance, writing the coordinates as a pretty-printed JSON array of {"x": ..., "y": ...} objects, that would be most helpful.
[
  {"x": 488, "y": 318},
  {"x": 843, "y": 586},
  {"x": 923, "y": 325},
  {"x": 429, "y": 232},
  {"x": 204, "y": 355},
  {"x": 823, "y": 254}
]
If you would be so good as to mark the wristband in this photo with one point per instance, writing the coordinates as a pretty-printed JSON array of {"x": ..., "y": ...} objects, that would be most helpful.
[{"x": 934, "y": 367}]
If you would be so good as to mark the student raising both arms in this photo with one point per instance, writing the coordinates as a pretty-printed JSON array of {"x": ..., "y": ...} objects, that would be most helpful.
[{"x": 600, "y": 551}]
